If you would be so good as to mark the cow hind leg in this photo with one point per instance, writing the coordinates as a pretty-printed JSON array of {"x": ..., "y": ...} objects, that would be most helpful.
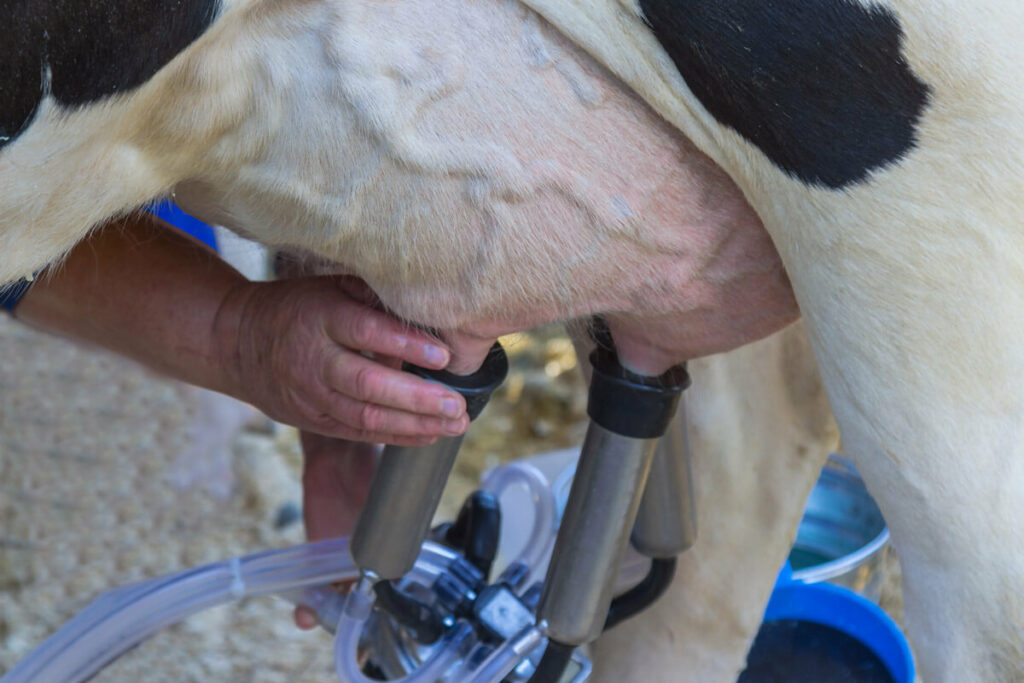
[
  {"x": 961, "y": 547},
  {"x": 927, "y": 396}
]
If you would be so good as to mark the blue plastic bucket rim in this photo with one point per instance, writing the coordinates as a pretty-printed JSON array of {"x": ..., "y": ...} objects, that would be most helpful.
[{"x": 842, "y": 609}]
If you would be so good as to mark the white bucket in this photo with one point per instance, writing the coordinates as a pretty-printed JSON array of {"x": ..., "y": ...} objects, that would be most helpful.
[{"x": 842, "y": 533}]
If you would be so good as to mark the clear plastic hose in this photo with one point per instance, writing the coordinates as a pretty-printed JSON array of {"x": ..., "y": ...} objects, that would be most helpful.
[
  {"x": 545, "y": 513},
  {"x": 357, "y": 610},
  {"x": 122, "y": 618},
  {"x": 507, "y": 657}
]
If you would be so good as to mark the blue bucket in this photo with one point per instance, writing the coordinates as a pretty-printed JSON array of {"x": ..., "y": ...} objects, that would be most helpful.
[{"x": 841, "y": 610}]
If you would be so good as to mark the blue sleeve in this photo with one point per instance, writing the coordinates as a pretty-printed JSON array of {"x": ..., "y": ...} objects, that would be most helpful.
[
  {"x": 170, "y": 212},
  {"x": 11, "y": 294}
]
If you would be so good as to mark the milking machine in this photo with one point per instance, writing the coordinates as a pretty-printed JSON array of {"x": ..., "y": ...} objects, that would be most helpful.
[
  {"x": 465, "y": 626},
  {"x": 426, "y": 604}
]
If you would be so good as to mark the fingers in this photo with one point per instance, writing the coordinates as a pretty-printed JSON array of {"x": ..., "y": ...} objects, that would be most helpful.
[
  {"x": 336, "y": 477},
  {"x": 343, "y": 420},
  {"x": 365, "y": 329},
  {"x": 305, "y": 618},
  {"x": 308, "y": 339},
  {"x": 371, "y": 418},
  {"x": 371, "y": 382},
  {"x": 326, "y": 425}
]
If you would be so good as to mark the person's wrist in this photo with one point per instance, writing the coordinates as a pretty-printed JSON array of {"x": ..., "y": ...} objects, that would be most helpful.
[{"x": 226, "y": 336}]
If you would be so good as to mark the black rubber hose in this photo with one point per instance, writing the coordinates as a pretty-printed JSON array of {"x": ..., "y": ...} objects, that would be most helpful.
[
  {"x": 553, "y": 664},
  {"x": 644, "y": 594},
  {"x": 476, "y": 530}
]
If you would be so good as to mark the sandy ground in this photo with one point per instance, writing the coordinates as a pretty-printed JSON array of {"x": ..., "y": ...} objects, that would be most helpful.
[{"x": 111, "y": 474}]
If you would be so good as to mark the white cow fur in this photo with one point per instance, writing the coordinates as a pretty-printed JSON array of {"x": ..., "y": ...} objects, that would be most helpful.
[{"x": 297, "y": 122}]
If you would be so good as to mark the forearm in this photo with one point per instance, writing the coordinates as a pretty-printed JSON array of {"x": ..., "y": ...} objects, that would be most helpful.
[
  {"x": 144, "y": 290},
  {"x": 293, "y": 348}
]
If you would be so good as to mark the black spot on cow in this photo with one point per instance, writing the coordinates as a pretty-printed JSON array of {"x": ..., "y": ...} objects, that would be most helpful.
[
  {"x": 88, "y": 49},
  {"x": 820, "y": 86}
]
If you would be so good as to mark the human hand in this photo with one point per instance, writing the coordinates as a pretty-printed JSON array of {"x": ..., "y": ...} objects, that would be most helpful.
[
  {"x": 293, "y": 349},
  {"x": 335, "y": 481}
]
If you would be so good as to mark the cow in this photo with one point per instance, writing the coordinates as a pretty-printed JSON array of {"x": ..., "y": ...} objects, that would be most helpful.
[{"x": 486, "y": 166}]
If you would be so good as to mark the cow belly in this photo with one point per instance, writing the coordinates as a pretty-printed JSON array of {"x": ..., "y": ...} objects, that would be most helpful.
[{"x": 484, "y": 175}]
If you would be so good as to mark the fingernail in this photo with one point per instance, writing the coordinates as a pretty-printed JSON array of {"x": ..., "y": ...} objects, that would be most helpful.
[
  {"x": 453, "y": 427},
  {"x": 451, "y": 408},
  {"x": 435, "y": 354}
]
